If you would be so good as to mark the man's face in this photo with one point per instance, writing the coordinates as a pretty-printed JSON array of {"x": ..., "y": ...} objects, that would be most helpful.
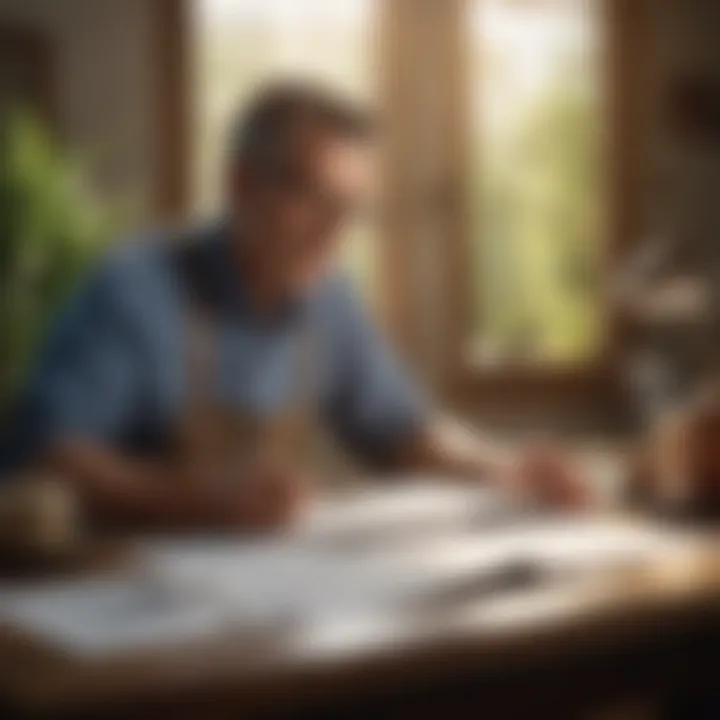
[{"x": 295, "y": 211}]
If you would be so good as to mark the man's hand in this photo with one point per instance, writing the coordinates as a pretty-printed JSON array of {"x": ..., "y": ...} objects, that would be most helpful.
[
  {"x": 116, "y": 490},
  {"x": 551, "y": 477},
  {"x": 539, "y": 472},
  {"x": 265, "y": 495},
  {"x": 270, "y": 496}
]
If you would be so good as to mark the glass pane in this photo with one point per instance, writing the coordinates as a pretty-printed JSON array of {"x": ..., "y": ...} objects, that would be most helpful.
[
  {"x": 241, "y": 43},
  {"x": 535, "y": 187}
]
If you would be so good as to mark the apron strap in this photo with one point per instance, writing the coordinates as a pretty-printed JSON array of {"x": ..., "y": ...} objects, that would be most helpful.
[
  {"x": 200, "y": 331},
  {"x": 287, "y": 428}
]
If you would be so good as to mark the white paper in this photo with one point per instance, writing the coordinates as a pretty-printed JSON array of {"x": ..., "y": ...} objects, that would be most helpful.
[
  {"x": 432, "y": 504},
  {"x": 106, "y": 616},
  {"x": 189, "y": 587}
]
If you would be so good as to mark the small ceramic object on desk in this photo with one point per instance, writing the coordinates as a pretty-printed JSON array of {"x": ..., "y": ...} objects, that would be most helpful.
[
  {"x": 40, "y": 521},
  {"x": 678, "y": 468}
]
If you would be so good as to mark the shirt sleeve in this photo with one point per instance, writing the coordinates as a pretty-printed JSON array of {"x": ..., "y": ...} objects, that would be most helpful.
[
  {"x": 85, "y": 382},
  {"x": 375, "y": 405}
]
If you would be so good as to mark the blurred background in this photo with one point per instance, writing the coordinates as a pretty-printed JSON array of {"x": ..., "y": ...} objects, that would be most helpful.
[
  {"x": 545, "y": 254},
  {"x": 532, "y": 151}
]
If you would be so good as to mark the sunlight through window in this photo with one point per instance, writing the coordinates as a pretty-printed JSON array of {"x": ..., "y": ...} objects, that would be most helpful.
[{"x": 535, "y": 187}]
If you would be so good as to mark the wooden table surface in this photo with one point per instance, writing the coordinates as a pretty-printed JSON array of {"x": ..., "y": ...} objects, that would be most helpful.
[{"x": 546, "y": 632}]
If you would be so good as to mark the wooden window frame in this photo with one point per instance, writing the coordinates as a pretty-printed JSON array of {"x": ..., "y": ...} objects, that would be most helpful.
[
  {"x": 38, "y": 53},
  {"x": 460, "y": 382},
  {"x": 172, "y": 136},
  {"x": 598, "y": 380}
]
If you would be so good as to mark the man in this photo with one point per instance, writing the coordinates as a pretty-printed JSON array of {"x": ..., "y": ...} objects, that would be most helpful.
[{"x": 114, "y": 405}]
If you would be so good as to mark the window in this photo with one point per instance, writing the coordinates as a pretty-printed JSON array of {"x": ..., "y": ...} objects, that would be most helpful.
[
  {"x": 535, "y": 189},
  {"x": 496, "y": 205}
]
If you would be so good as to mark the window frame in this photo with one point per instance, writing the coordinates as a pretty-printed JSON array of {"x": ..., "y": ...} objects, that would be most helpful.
[
  {"x": 599, "y": 378},
  {"x": 443, "y": 21}
]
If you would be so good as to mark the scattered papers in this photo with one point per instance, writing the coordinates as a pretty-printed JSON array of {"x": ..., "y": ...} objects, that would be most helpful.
[
  {"x": 409, "y": 543},
  {"x": 105, "y": 616},
  {"x": 400, "y": 509}
]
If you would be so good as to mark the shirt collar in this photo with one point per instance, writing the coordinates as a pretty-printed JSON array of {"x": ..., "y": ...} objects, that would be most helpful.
[{"x": 229, "y": 286}]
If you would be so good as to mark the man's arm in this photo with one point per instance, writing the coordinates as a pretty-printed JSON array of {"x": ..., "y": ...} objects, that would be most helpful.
[
  {"x": 380, "y": 414},
  {"x": 79, "y": 402},
  {"x": 116, "y": 488},
  {"x": 86, "y": 391},
  {"x": 540, "y": 472},
  {"x": 446, "y": 447}
]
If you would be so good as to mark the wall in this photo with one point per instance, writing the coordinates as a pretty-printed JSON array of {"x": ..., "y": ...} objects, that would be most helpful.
[
  {"x": 103, "y": 86},
  {"x": 680, "y": 180}
]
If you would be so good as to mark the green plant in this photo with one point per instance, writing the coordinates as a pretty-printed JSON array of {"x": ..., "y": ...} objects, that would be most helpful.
[
  {"x": 541, "y": 198},
  {"x": 50, "y": 229}
]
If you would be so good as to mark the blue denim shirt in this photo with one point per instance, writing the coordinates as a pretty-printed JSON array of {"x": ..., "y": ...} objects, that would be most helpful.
[{"x": 114, "y": 367}]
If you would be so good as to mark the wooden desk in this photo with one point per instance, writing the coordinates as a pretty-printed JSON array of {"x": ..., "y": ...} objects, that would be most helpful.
[{"x": 544, "y": 652}]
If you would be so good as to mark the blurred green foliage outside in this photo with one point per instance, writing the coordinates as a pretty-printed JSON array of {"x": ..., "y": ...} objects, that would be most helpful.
[
  {"x": 538, "y": 246},
  {"x": 50, "y": 230}
]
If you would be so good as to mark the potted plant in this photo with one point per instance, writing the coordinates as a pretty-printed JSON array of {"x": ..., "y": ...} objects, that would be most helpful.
[{"x": 50, "y": 229}]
